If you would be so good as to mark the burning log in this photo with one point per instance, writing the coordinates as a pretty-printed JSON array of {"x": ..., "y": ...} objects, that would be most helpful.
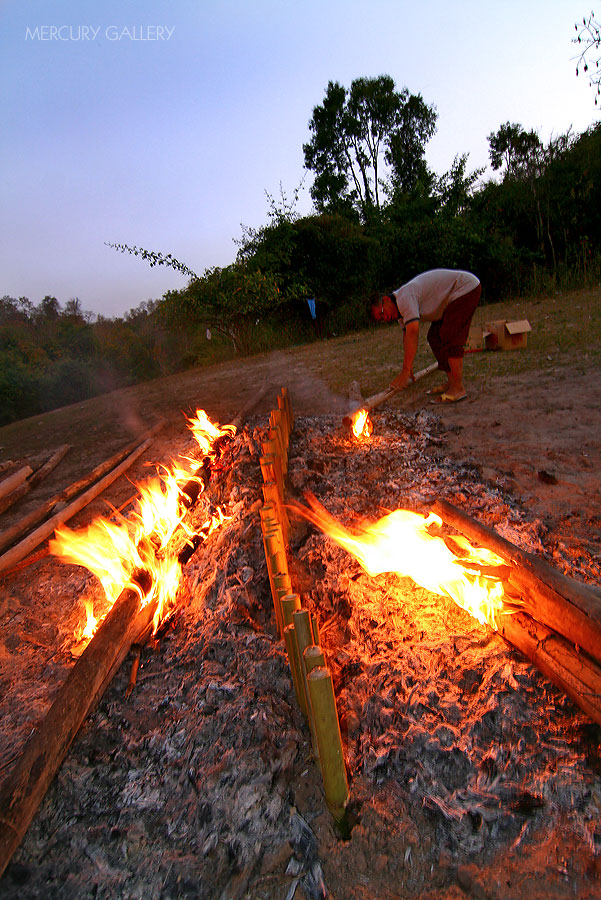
[
  {"x": 378, "y": 399},
  {"x": 558, "y": 659},
  {"x": 23, "y": 791},
  {"x": 554, "y": 599}
]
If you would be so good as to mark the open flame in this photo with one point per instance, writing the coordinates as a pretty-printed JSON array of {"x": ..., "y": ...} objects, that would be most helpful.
[
  {"x": 206, "y": 433},
  {"x": 119, "y": 552},
  {"x": 362, "y": 426},
  {"x": 401, "y": 542}
]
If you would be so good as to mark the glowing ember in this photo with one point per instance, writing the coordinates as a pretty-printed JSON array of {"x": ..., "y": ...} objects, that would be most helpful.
[
  {"x": 118, "y": 552},
  {"x": 362, "y": 425},
  {"x": 400, "y": 542}
]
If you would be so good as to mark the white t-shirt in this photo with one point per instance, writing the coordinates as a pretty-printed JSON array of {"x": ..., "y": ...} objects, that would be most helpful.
[{"x": 427, "y": 295}]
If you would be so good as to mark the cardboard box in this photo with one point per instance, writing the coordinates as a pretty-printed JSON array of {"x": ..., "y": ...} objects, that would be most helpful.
[
  {"x": 475, "y": 338},
  {"x": 505, "y": 335}
]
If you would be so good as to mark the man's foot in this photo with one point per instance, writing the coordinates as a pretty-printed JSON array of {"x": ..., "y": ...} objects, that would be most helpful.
[
  {"x": 449, "y": 398},
  {"x": 440, "y": 389}
]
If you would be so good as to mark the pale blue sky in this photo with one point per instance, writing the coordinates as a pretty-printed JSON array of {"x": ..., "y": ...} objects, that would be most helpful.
[{"x": 171, "y": 144}]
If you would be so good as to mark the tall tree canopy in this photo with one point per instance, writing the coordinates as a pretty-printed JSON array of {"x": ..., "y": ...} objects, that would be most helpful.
[{"x": 365, "y": 140}]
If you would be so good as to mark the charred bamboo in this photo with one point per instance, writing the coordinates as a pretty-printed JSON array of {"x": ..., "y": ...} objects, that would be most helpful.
[{"x": 24, "y": 789}]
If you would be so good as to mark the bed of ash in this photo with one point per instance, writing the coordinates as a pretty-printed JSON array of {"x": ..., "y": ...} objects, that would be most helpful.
[{"x": 470, "y": 773}]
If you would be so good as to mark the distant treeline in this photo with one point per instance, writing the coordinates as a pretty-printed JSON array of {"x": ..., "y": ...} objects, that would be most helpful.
[{"x": 536, "y": 229}]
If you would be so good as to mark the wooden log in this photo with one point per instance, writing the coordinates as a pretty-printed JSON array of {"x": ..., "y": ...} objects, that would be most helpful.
[
  {"x": 9, "y": 484},
  {"x": 558, "y": 659},
  {"x": 16, "y": 553},
  {"x": 564, "y": 604},
  {"x": 26, "y": 785},
  {"x": 108, "y": 464},
  {"x": 50, "y": 465},
  {"x": 14, "y": 487},
  {"x": 378, "y": 399},
  {"x": 20, "y": 528},
  {"x": 19, "y": 492},
  {"x": 23, "y": 489}
]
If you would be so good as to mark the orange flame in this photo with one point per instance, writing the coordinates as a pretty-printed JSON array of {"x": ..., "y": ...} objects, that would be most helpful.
[
  {"x": 117, "y": 551},
  {"x": 362, "y": 425},
  {"x": 206, "y": 432},
  {"x": 400, "y": 542}
]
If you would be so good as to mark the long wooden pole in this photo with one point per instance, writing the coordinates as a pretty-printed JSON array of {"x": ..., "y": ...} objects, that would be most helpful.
[
  {"x": 377, "y": 399},
  {"x": 16, "y": 553},
  {"x": 20, "y": 528},
  {"x": 39, "y": 475},
  {"x": 24, "y": 789},
  {"x": 564, "y": 604}
]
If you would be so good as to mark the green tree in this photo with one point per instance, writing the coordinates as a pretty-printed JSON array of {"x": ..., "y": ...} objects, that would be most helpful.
[
  {"x": 363, "y": 140},
  {"x": 231, "y": 301}
]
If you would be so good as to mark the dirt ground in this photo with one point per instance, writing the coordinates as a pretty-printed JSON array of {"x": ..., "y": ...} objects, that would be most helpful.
[{"x": 535, "y": 437}]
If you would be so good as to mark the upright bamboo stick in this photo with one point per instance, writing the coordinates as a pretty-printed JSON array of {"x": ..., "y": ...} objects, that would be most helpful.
[
  {"x": 290, "y": 603},
  {"x": 331, "y": 756},
  {"x": 295, "y": 669},
  {"x": 288, "y": 405}
]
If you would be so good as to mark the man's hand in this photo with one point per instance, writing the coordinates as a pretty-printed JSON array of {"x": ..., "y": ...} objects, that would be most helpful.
[{"x": 402, "y": 380}]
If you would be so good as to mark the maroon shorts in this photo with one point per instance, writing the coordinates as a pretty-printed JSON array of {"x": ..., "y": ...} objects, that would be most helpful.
[{"x": 448, "y": 336}]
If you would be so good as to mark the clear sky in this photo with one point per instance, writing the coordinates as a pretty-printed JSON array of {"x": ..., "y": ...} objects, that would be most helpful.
[{"x": 164, "y": 124}]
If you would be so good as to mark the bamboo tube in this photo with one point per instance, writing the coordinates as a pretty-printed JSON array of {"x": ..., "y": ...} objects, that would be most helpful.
[
  {"x": 288, "y": 403},
  {"x": 282, "y": 587},
  {"x": 275, "y": 434},
  {"x": 565, "y": 605},
  {"x": 570, "y": 670},
  {"x": 289, "y": 603},
  {"x": 274, "y": 539},
  {"x": 277, "y": 421},
  {"x": 23, "y": 790},
  {"x": 325, "y": 717},
  {"x": 269, "y": 518},
  {"x": 272, "y": 472},
  {"x": 271, "y": 494},
  {"x": 294, "y": 663},
  {"x": 304, "y": 638},
  {"x": 315, "y": 628},
  {"x": 285, "y": 417},
  {"x": 16, "y": 553},
  {"x": 314, "y": 658},
  {"x": 277, "y": 567}
]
